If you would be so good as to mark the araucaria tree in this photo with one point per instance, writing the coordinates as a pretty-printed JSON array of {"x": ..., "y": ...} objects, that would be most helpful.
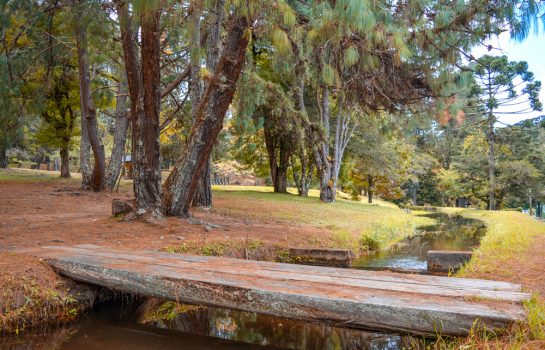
[{"x": 502, "y": 87}]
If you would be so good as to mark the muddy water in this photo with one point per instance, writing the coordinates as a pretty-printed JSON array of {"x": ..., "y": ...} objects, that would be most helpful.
[
  {"x": 452, "y": 232},
  {"x": 114, "y": 326}
]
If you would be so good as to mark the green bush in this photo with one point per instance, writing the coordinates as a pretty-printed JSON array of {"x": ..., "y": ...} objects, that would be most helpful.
[{"x": 369, "y": 243}]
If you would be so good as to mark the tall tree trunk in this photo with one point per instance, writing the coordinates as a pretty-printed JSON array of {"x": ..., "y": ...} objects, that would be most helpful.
[
  {"x": 278, "y": 150},
  {"x": 120, "y": 135},
  {"x": 85, "y": 157},
  {"x": 491, "y": 165},
  {"x": 322, "y": 156},
  {"x": 414, "y": 190},
  {"x": 530, "y": 204},
  {"x": 196, "y": 90},
  {"x": 306, "y": 172},
  {"x": 203, "y": 194},
  {"x": 179, "y": 188},
  {"x": 147, "y": 158},
  {"x": 145, "y": 94},
  {"x": 306, "y": 169},
  {"x": 88, "y": 111},
  {"x": 3, "y": 155},
  {"x": 65, "y": 162},
  {"x": 370, "y": 189}
]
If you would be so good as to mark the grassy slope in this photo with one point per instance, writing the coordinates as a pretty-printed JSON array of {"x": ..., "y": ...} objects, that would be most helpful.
[
  {"x": 347, "y": 220},
  {"x": 507, "y": 253},
  {"x": 509, "y": 236}
]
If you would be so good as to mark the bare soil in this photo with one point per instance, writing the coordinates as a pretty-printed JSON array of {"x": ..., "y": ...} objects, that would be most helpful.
[{"x": 58, "y": 213}]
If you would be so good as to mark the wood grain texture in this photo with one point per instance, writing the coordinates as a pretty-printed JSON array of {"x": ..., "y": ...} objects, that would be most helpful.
[{"x": 376, "y": 300}]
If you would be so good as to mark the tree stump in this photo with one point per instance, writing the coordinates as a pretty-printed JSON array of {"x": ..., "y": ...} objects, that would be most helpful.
[{"x": 122, "y": 206}]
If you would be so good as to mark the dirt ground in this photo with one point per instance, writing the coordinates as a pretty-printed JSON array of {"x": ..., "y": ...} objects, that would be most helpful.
[{"x": 58, "y": 213}]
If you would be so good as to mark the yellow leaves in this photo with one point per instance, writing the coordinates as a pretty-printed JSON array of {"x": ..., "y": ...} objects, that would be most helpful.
[
  {"x": 328, "y": 74},
  {"x": 248, "y": 34},
  {"x": 204, "y": 73},
  {"x": 351, "y": 56},
  {"x": 280, "y": 41},
  {"x": 312, "y": 35},
  {"x": 400, "y": 45},
  {"x": 289, "y": 18}
]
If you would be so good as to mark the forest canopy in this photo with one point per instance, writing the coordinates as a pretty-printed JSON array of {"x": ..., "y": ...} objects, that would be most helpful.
[{"x": 373, "y": 98}]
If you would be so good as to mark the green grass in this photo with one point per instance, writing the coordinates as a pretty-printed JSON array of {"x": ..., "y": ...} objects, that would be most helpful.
[
  {"x": 27, "y": 175},
  {"x": 504, "y": 251},
  {"x": 509, "y": 235},
  {"x": 347, "y": 220}
]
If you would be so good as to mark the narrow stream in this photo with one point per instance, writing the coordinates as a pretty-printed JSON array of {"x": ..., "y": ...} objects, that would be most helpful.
[
  {"x": 452, "y": 232},
  {"x": 114, "y": 326}
]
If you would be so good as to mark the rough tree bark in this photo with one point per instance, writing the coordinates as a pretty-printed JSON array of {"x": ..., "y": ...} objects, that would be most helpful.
[
  {"x": 145, "y": 94},
  {"x": 370, "y": 188},
  {"x": 203, "y": 194},
  {"x": 88, "y": 111},
  {"x": 179, "y": 188},
  {"x": 321, "y": 152},
  {"x": 85, "y": 157},
  {"x": 65, "y": 162},
  {"x": 120, "y": 135},
  {"x": 279, "y": 151},
  {"x": 328, "y": 164},
  {"x": 306, "y": 173},
  {"x": 3, "y": 155},
  {"x": 306, "y": 166}
]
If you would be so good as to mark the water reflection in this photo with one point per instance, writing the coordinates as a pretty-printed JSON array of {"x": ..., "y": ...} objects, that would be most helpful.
[
  {"x": 452, "y": 232},
  {"x": 113, "y": 327},
  {"x": 267, "y": 330}
]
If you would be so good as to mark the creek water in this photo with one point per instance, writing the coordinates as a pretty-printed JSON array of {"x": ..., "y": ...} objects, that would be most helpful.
[
  {"x": 451, "y": 232},
  {"x": 114, "y": 326}
]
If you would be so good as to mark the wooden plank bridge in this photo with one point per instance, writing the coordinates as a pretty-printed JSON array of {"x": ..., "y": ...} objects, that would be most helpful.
[{"x": 375, "y": 300}]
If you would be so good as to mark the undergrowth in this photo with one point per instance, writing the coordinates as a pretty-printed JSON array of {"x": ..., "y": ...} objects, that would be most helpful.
[{"x": 25, "y": 303}]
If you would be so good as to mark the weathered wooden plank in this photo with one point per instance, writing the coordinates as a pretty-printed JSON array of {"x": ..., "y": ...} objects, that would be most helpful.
[
  {"x": 359, "y": 299},
  {"x": 330, "y": 272},
  {"x": 341, "y": 273},
  {"x": 249, "y": 270}
]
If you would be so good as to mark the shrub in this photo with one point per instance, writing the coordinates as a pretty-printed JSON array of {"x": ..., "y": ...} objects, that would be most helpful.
[{"x": 369, "y": 243}]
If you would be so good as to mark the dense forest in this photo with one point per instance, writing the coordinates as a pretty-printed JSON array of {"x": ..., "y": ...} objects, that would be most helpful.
[{"x": 372, "y": 98}]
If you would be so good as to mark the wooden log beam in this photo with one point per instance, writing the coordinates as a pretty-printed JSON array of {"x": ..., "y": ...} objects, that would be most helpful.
[
  {"x": 321, "y": 256},
  {"x": 447, "y": 260},
  {"x": 351, "y": 298}
]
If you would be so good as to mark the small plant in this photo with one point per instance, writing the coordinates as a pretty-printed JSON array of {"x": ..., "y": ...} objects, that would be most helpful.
[
  {"x": 182, "y": 248},
  {"x": 213, "y": 249},
  {"x": 368, "y": 243}
]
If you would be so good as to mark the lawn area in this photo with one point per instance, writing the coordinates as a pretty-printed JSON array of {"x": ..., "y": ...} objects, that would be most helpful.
[
  {"x": 27, "y": 175},
  {"x": 347, "y": 220}
]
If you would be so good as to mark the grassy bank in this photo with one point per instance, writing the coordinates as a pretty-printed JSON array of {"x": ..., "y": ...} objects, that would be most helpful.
[
  {"x": 354, "y": 225},
  {"x": 511, "y": 250}
]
